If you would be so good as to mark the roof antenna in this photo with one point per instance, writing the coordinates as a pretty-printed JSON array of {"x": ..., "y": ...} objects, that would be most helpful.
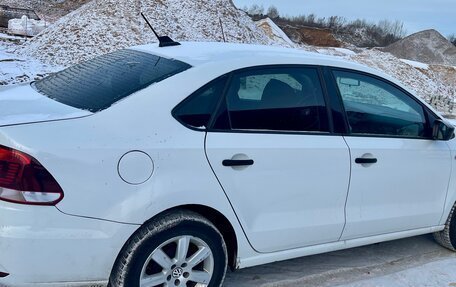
[
  {"x": 223, "y": 32},
  {"x": 164, "y": 41}
]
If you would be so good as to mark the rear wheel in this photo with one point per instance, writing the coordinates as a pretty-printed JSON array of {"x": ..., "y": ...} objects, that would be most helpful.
[
  {"x": 177, "y": 249},
  {"x": 447, "y": 237}
]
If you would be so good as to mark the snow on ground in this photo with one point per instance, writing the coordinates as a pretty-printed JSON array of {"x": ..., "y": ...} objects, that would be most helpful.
[
  {"x": 275, "y": 33},
  {"x": 440, "y": 273},
  {"x": 416, "y": 262},
  {"x": 435, "y": 84},
  {"x": 425, "y": 83},
  {"x": 12, "y": 38},
  {"x": 338, "y": 52},
  {"x": 16, "y": 69},
  {"x": 345, "y": 51},
  {"x": 416, "y": 64}
]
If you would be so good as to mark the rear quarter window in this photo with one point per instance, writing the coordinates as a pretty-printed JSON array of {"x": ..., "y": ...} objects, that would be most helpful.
[{"x": 97, "y": 84}]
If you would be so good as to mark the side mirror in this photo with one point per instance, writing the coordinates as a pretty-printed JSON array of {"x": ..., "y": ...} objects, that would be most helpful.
[{"x": 442, "y": 131}]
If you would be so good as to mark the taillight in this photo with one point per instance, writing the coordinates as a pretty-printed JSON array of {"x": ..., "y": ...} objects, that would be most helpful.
[{"x": 24, "y": 180}]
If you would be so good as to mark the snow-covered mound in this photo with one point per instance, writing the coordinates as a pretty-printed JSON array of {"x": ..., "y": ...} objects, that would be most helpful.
[
  {"x": 416, "y": 64},
  {"x": 275, "y": 33},
  {"x": 102, "y": 26},
  {"x": 426, "y": 83},
  {"x": 428, "y": 46},
  {"x": 15, "y": 69},
  {"x": 435, "y": 84}
]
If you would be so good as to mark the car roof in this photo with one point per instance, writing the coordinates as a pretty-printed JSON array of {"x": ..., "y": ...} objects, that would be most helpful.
[
  {"x": 233, "y": 56},
  {"x": 201, "y": 53}
]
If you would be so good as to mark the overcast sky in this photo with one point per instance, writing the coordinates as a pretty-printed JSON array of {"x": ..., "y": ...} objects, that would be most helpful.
[{"x": 417, "y": 15}]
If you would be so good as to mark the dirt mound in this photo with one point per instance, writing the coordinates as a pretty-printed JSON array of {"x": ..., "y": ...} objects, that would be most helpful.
[
  {"x": 313, "y": 36},
  {"x": 308, "y": 35},
  {"x": 447, "y": 74},
  {"x": 427, "y": 46},
  {"x": 102, "y": 26}
]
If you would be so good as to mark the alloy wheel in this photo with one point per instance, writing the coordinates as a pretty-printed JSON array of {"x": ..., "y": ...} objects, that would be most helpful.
[{"x": 181, "y": 261}]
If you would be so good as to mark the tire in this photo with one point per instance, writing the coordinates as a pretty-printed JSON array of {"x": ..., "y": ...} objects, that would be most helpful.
[
  {"x": 447, "y": 237},
  {"x": 146, "y": 257}
]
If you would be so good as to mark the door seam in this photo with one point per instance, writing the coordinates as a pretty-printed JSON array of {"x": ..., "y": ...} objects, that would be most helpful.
[
  {"x": 348, "y": 188},
  {"x": 226, "y": 195}
]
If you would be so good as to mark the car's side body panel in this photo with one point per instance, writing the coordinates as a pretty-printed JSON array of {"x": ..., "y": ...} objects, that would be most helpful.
[
  {"x": 404, "y": 190},
  {"x": 297, "y": 186},
  {"x": 450, "y": 199}
]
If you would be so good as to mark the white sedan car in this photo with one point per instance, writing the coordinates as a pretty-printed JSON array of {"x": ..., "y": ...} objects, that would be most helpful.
[{"x": 164, "y": 166}]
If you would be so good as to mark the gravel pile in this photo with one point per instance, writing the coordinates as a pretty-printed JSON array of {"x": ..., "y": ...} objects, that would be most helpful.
[
  {"x": 102, "y": 26},
  {"x": 435, "y": 84},
  {"x": 428, "y": 46}
]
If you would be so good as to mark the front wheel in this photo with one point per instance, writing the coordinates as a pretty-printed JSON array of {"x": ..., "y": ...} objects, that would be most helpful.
[
  {"x": 447, "y": 237},
  {"x": 177, "y": 249}
]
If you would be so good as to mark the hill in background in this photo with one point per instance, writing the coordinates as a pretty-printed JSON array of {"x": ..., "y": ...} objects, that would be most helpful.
[{"x": 426, "y": 46}]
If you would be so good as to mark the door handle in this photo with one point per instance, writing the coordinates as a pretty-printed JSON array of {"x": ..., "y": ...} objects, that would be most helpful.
[
  {"x": 362, "y": 160},
  {"x": 240, "y": 162}
]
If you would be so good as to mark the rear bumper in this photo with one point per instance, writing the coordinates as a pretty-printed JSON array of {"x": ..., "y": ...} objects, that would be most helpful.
[{"x": 40, "y": 246}]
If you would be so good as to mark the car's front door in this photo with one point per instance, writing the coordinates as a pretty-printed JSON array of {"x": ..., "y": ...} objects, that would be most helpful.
[
  {"x": 399, "y": 176},
  {"x": 270, "y": 147}
]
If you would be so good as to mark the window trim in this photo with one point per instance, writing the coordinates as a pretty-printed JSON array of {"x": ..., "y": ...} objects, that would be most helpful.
[
  {"x": 426, "y": 111},
  {"x": 334, "y": 103},
  {"x": 223, "y": 100}
]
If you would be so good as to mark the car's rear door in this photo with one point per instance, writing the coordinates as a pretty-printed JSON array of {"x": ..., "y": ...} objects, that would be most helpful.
[
  {"x": 285, "y": 174},
  {"x": 399, "y": 175}
]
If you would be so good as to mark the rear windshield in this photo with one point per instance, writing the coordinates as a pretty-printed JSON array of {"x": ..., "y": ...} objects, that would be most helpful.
[{"x": 97, "y": 84}]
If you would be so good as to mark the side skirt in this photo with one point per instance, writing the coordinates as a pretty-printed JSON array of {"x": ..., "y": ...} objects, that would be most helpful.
[{"x": 329, "y": 247}]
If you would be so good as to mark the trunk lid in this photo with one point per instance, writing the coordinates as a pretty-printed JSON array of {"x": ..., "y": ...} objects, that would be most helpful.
[{"x": 21, "y": 104}]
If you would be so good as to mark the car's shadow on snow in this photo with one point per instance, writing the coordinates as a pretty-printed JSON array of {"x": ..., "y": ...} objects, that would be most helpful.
[{"x": 344, "y": 266}]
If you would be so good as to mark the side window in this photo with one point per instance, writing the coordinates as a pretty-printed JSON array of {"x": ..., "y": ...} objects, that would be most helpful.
[
  {"x": 196, "y": 110},
  {"x": 378, "y": 108},
  {"x": 279, "y": 99}
]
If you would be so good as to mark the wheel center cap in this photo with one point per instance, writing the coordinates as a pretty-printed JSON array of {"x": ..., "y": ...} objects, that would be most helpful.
[{"x": 177, "y": 272}]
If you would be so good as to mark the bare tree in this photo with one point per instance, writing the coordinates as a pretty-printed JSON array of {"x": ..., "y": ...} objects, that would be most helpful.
[
  {"x": 382, "y": 33},
  {"x": 256, "y": 9},
  {"x": 452, "y": 39},
  {"x": 336, "y": 22},
  {"x": 393, "y": 28},
  {"x": 273, "y": 12}
]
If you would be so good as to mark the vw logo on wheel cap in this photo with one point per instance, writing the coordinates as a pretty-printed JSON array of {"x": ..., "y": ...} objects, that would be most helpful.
[{"x": 177, "y": 272}]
